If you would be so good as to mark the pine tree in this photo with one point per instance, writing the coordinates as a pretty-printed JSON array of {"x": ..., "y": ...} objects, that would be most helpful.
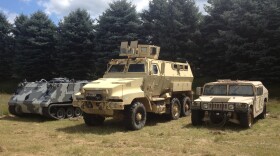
[
  {"x": 35, "y": 45},
  {"x": 172, "y": 25},
  {"x": 120, "y": 22},
  {"x": 5, "y": 48},
  {"x": 76, "y": 45}
]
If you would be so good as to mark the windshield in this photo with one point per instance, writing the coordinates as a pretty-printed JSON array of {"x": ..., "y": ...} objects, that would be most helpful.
[
  {"x": 215, "y": 90},
  {"x": 116, "y": 68},
  {"x": 136, "y": 68},
  {"x": 241, "y": 90}
]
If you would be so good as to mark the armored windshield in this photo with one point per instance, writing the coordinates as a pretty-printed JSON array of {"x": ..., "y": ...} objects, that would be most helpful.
[
  {"x": 241, "y": 90},
  {"x": 215, "y": 90},
  {"x": 116, "y": 68},
  {"x": 136, "y": 68}
]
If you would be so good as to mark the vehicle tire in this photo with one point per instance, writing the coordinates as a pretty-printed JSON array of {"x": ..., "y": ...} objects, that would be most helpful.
[
  {"x": 263, "y": 114},
  {"x": 246, "y": 119},
  {"x": 186, "y": 106},
  {"x": 60, "y": 113},
  {"x": 136, "y": 116},
  {"x": 69, "y": 112},
  {"x": 175, "y": 109},
  {"x": 77, "y": 112},
  {"x": 93, "y": 119},
  {"x": 196, "y": 117}
]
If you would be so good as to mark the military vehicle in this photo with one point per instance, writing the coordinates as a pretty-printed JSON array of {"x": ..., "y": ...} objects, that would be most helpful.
[
  {"x": 227, "y": 100},
  {"x": 135, "y": 85},
  {"x": 52, "y": 99}
]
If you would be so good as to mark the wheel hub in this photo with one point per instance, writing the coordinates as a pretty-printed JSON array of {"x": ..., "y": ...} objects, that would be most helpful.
[
  {"x": 138, "y": 116},
  {"x": 175, "y": 110}
]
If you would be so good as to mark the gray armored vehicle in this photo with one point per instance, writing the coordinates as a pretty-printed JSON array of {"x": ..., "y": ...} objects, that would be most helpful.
[
  {"x": 52, "y": 99},
  {"x": 135, "y": 85}
]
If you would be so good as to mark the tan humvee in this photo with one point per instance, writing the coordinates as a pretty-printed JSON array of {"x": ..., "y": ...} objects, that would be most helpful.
[
  {"x": 226, "y": 100},
  {"x": 135, "y": 85}
]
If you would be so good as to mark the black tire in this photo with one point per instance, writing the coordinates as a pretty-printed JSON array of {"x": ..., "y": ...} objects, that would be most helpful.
[
  {"x": 93, "y": 119},
  {"x": 77, "y": 112},
  {"x": 136, "y": 116},
  {"x": 246, "y": 119},
  {"x": 60, "y": 113},
  {"x": 186, "y": 106},
  {"x": 196, "y": 117},
  {"x": 175, "y": 109},
  {"x": 69, "y": 112},
  {"x": 263, "y": 114}
]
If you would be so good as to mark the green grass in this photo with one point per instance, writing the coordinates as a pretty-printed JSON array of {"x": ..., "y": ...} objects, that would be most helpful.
[
  {"x": 4, "y": 98},
  {"x": 35, "y": 135}
]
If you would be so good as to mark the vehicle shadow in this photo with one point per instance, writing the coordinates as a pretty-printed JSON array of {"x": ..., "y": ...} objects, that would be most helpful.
[
  {"x": 227, "y": 127},
  {"x": 111, "y": 126},
  {"x": 26, "y": 118}
]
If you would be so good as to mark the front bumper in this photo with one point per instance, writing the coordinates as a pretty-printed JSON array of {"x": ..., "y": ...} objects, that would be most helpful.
[
  {"x": 223, "y": 107},
  {"x": 99, "y": 105}
]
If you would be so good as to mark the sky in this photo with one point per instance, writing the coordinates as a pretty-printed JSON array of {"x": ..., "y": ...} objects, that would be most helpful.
[{"x": 57, "y": 9}]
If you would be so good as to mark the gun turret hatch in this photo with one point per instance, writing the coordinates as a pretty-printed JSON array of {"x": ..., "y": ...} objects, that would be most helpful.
[{"x": 139, "y": 50}]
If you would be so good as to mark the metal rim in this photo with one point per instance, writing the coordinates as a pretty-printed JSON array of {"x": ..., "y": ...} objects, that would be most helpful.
[
  {"x": 60, "y": 113},
  {"x": 175, "y": 109}
]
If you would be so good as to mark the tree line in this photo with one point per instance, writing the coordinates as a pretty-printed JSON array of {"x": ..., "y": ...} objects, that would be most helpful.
[{"x": 235, "y": 39}]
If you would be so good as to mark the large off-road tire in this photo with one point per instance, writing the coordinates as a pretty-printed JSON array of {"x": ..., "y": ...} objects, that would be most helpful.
[
  {"x": 186, "y": 106},
  {"x": 136, "y": 116},
  {"x": 69, "y": 112},
  {"x": 77, "y": 112},
  {"x": 246, "y": 119},
  {"x": 175, "y": 109},
  {"x": 93, "y": 119},
  {"x": 60, "y": 113},
  {"x": 263, "y": 114},
  {"x": 196, "y": 117}
]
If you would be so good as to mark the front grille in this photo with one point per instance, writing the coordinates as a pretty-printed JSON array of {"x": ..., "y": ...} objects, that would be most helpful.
[
  {"x": 97, "y": 97},
  {"x": 218, "y": 106}
]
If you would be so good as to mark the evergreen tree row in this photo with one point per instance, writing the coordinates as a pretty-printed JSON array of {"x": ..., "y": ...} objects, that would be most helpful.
[{"x": 236, "y": 39}]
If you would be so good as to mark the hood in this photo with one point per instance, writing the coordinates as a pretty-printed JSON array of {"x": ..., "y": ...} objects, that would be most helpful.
[
  {"x": 109, "y": 83},
  {"x": 224, "y": 99}
]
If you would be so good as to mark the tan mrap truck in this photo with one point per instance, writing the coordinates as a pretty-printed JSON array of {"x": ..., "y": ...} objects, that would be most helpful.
[
  {"x": 227, "y": 100},
  {"x": 135, "y": 85}
]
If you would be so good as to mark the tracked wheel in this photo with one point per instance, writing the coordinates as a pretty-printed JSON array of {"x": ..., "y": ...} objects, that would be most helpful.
[
  {"x": 69, "y": 112},
  {"x": 77, "y": 112},
  {"x": 60, "y": 113}
]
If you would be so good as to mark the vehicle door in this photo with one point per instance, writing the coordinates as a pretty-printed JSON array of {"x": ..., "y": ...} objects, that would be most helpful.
[{"x": 259, "y": 100}]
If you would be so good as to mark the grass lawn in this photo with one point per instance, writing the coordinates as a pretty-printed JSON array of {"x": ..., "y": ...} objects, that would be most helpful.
[{"x": 35, "y": 135}]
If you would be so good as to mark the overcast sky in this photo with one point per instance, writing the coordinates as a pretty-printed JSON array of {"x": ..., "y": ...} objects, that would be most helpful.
[{"x": 56, "y": 9}]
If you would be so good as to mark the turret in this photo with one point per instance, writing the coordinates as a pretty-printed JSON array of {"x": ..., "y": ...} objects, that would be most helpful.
[{"x": 139, "y": 50}]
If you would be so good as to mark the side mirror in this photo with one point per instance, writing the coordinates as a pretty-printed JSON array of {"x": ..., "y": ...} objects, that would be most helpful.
[{"x": 198, "y": 91}]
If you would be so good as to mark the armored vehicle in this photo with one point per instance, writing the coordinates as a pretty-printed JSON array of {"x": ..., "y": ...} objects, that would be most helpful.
[
  {"x": 52, "y": 99},
  {"x": 227, "y": 100},
  {"x": 135, "y": 85}
]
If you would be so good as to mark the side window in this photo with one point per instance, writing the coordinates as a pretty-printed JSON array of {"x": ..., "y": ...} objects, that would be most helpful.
[
  {"x": 155, "y": 69},
  {"x": 259, "y": 91}
]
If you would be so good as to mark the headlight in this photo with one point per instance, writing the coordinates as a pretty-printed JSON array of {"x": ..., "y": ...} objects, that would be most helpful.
[
  {"x": 231, "y": 106},
  {"x": 205, "y": 106},
  {"x": 241, "y": 105}
]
